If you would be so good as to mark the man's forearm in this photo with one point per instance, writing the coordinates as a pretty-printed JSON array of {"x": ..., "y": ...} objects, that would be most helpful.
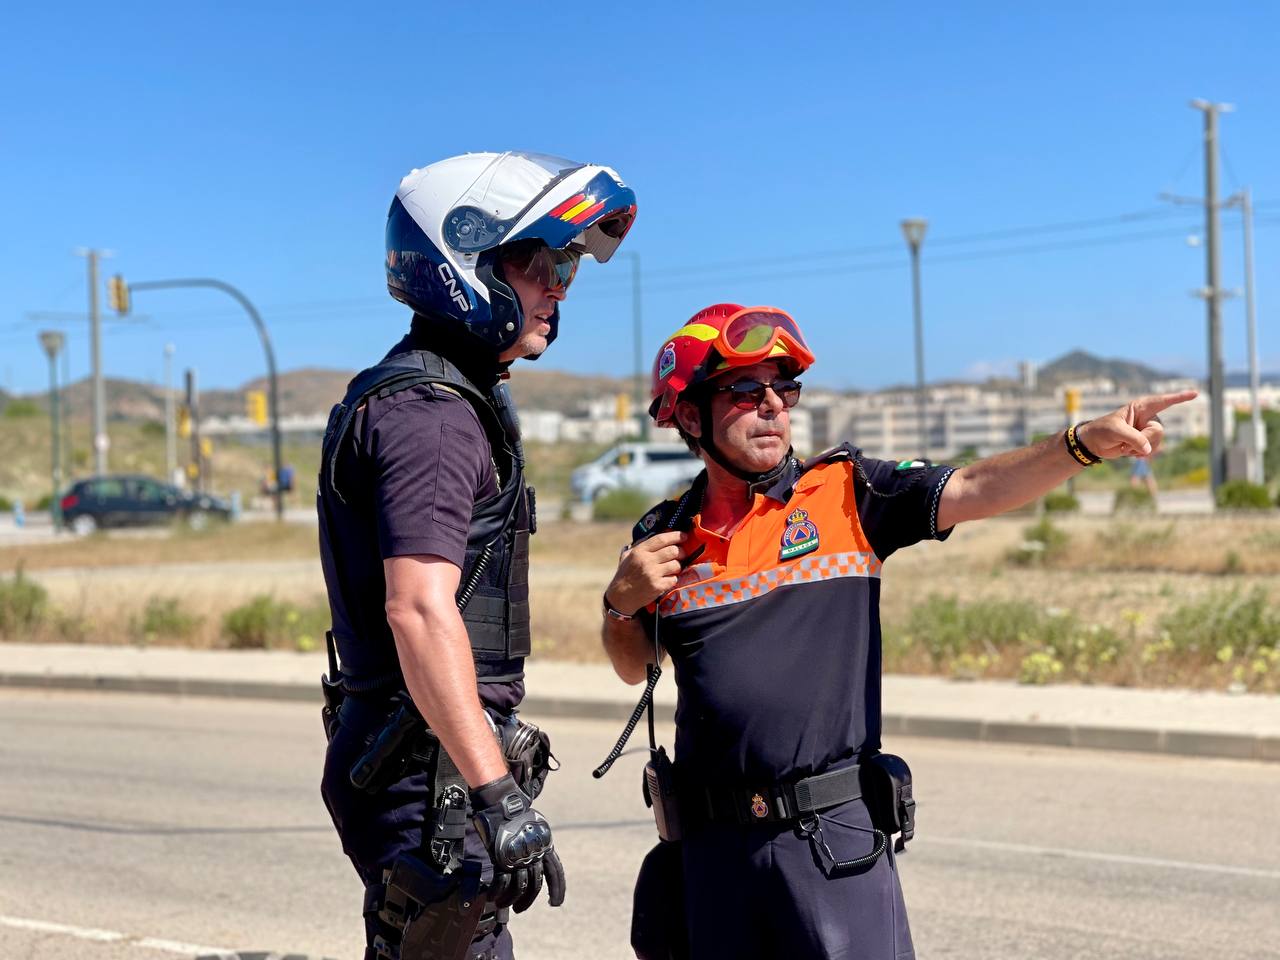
[
  {"x": 435, "y": 655},
  {"x": 1005, "y": 481},
  {"x": 628, "y": 647}
]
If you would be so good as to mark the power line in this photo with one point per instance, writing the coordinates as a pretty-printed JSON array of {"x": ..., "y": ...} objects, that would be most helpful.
[{"x": 679, "y": 278}]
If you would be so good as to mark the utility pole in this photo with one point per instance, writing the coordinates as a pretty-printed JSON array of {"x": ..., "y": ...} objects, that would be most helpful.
[
  {"x": 101, "y": 442},
  {"x": 914, "y": 230},
  {"x": 52, "y": 342},
  {"x": 1213, "y": 293},
  {"x": 170, "y": 430},
  {"x": 640, "y": 408}
]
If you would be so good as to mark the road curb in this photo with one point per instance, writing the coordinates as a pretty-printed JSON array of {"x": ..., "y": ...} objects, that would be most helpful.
[{"x": 1232, "y": 746}]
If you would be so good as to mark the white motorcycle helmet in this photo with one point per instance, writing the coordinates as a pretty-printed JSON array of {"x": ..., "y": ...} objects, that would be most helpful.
[{"x": 450, "y": 222}]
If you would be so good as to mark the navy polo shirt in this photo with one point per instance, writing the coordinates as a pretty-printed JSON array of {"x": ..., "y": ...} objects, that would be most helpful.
[{"x": 775, "y": 631}]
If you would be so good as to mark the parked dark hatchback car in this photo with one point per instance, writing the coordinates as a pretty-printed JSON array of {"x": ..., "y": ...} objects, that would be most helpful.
[{"x": 130, "y": 501}]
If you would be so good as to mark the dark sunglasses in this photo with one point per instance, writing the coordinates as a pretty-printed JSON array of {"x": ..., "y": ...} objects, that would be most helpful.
[
  {"x": 748, "y": 394},
  {"x": 551, "y": 269}
]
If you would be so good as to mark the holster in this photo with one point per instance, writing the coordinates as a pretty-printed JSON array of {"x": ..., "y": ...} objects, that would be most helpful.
[
  {"x": 886, "y": 787},
  {"x": 331, "y": 688},
  {"x": 437, "y": 916}
]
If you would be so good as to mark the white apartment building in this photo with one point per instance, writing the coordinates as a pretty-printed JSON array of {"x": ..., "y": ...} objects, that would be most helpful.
[{"x": 969, "y": 417}]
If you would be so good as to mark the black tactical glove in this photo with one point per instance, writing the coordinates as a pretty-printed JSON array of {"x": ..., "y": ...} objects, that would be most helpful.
[{"x": 518, "y": 839}]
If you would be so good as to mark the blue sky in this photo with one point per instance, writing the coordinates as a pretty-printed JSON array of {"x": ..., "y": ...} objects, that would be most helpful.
[{"x": 261, "y": 144}]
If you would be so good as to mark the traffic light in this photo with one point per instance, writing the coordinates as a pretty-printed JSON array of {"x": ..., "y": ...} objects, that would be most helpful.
[
  {"x": 184, "y": 421},
  {"x": 256, "y": 406},
  {"x": 118, "y": 294}
]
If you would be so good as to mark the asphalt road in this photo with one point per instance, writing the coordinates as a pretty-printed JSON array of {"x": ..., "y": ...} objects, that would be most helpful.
[{"x": 135, "y": 827}]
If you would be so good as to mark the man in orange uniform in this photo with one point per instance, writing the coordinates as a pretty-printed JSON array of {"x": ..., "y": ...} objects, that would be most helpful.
[{"x": 762, "y": 583}]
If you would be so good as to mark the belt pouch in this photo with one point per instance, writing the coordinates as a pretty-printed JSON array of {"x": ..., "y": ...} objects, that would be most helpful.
[{"x": 886, "y": 786}]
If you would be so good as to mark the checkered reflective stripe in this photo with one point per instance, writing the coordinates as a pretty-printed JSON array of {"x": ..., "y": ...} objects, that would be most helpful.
[{"x": 829, "y": 566}]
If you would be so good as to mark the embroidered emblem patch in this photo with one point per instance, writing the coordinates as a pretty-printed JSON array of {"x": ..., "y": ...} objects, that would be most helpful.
[
  {"x": 800, "y": 537},
  {"x": 667, "y": 362},
  {"x": 910, "y": 465},
  {"x": 649, "y": 520},
  {"x": 759, "y": 809}
]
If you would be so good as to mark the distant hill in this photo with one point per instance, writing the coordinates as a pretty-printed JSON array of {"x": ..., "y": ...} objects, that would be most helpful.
[
  {"x": 315, "y": 390},
  {"x": 1080, "y": 365}
]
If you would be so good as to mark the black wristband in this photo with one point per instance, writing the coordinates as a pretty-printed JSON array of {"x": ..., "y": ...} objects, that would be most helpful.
[{"x": 1079, "y": 452}]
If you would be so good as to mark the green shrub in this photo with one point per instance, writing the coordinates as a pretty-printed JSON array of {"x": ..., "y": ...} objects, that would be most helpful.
[
  {"x": 1225, "y": 620},
  {"x": 44, "y": 503},
  {"x": 1242, "y": 495},
  {"x": 251, "y": 626},
  {"x": 23, "y": 605},
  {"x": 264, "y": 622},
  {"x": 1040, "y": 667},
  {"x": 6, "y": 504},
  {"x": 1134, "y": 500},
  {"x": 153, "y": 428},
  {"x": 1190, "y": 455},
  {"x": 1060, "y": 501},
  {"x": 1042, "y": 543},
  {"x": 1045, "y": 645},
  {"x": 948, "y": 629},
  {"x": 621, "y": 504},
  {"x": 21, "y": 409},
  {"x": 164, "y": 619}
]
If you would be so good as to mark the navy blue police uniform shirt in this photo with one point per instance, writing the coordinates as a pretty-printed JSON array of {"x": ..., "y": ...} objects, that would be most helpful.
[
  {"x": 427, "y": 462},
  {"x": 775, "y": 630}
]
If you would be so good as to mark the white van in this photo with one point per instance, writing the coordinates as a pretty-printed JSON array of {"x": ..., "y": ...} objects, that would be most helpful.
[{"x": 658, "y": 469}]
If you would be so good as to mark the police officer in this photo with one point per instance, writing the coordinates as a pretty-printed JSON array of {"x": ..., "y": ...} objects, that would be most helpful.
[
  {"x": 424, "y": 524},
  {"x": 762, "y": 583}
]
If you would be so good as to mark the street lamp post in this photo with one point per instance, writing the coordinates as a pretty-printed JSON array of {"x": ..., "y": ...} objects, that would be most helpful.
[
  {"x": 52, "y": 342},
  {"x": 1244, "y": 201},
  {"x": 913, "y": 230},
  {"x": 249, "y": 308}
]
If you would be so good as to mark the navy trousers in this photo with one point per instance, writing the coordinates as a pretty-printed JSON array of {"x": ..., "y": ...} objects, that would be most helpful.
[
  {"x": 376, "y": 828},
  {"x": 760, "y": 891}
]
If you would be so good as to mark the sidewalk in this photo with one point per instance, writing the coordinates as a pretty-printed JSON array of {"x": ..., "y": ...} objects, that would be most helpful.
[{"x": 1244, "y": 727}]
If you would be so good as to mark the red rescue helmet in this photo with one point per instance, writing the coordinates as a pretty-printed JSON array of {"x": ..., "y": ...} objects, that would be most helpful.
[{"x": 717, "y": 338}]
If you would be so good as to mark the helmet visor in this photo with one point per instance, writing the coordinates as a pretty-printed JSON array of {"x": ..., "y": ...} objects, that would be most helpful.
[
  {"x": 549, "y": 269},
  {"x": 753, "y": 333}
]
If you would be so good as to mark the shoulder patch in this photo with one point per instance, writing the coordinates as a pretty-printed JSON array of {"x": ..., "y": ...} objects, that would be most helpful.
[
  {"x": 845, "y": 451},
  {"x": 654, "y": 520},
  {"x": 911, "y": 465}
]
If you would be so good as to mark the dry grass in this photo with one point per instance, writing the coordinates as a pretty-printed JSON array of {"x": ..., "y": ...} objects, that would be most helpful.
[
  {"x": 1124, "y": 576},
  {"x": 231, "y": 543}
]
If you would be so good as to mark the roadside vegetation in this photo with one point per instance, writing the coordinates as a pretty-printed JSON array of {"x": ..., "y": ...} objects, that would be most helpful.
[{"x": 1057, "y": 597}]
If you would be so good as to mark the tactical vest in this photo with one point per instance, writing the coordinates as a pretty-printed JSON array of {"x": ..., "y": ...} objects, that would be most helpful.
[{"x": 493, "y": 593}]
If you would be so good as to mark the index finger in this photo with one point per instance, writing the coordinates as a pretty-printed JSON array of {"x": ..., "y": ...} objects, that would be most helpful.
[{"x": 1148, "y": 407}]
